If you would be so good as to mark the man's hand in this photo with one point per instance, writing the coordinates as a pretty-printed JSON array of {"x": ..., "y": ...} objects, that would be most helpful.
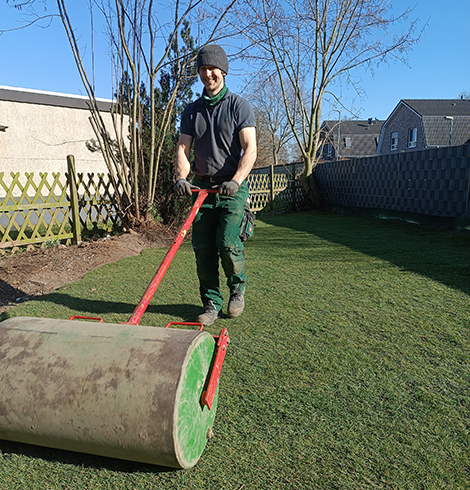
[
  {"x": 229, "y": 189},
  {"x": 183, "y": 188}
]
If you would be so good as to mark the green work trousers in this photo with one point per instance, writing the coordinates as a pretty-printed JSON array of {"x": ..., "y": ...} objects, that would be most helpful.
[{"x": 216, "y": 234}]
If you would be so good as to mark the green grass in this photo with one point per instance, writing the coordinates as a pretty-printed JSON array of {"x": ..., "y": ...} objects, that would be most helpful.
[{"x": 349, "y": 368}]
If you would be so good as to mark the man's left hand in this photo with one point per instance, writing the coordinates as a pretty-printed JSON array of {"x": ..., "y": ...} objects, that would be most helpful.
[{"x": 229, "y": 189}]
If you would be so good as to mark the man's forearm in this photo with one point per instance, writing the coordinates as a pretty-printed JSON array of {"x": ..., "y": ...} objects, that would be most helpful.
[
  {"x": 248, "y": 159},
  {"x": 182, "y": 168},
  {"x": 182, "y": 164},
  {"x": 245, "y": 166}
]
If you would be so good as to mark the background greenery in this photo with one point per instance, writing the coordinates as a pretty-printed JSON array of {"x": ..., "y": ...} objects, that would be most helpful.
[{"x": 349, "y": 368}]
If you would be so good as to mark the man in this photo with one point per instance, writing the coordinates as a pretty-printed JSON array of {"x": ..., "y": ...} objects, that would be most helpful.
[{"x": 221, "y": 126}]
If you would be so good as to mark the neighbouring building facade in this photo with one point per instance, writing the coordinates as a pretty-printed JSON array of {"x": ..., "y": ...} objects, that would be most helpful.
[
  {"x": 39, "y": 129},
  {"x": 425, "y": 123},
  {"x": 349, "y": 138}
]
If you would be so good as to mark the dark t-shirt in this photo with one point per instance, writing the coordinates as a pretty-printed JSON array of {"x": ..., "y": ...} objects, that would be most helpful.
[{"x": 215, "y": 130}]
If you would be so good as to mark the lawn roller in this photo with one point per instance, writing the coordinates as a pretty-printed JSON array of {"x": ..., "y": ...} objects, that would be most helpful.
[{"x": 146, "y": 394}]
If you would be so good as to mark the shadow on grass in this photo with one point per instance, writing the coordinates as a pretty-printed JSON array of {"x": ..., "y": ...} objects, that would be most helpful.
[
  {"x": 441, "y": 255},
  {"x": 187, "y": 312},
  {"x": 91, "y": 461},
  {"x": 9, "y": 293}
]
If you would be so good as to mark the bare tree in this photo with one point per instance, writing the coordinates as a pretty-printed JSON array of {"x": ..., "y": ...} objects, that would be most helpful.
[
  {"x": 33, "y": 12},
  {"x": 311, "y": 44},
  {"x": 273, "y": 130},
  {"x": 144, "y": 48},
  {"x": 153, "y": 57}
]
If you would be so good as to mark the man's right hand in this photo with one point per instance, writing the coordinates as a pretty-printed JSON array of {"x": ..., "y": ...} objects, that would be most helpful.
[{"x": 183, "y": 187}]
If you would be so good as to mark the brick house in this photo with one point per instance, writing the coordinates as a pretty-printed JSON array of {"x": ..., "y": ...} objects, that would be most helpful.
[
  {"x": 356, "y": 138},
  {"x": 425, "y": 123}
]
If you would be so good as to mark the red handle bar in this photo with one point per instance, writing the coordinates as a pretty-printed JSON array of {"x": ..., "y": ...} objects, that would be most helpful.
[{"x": 155, "y": 282}]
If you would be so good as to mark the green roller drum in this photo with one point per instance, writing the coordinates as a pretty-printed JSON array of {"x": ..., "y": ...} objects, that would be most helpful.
[{"x": 122, "y": 391}]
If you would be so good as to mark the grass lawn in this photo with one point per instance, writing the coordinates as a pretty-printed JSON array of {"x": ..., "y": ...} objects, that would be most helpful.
[{"x": 348, "y": 370}]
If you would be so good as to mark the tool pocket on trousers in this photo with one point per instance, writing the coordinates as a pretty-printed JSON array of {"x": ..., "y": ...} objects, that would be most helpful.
[{"x": 248, "y": 225}]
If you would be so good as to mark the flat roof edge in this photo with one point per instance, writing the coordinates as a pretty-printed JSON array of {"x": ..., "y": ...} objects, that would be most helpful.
[{"x": 41, "y": 97}]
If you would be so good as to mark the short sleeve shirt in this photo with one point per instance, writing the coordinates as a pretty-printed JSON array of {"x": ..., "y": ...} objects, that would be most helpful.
[{"x": 215, "y": 131}]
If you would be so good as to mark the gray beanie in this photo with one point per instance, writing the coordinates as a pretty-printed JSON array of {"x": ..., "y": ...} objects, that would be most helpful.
[{"x": 212, "y": 55}]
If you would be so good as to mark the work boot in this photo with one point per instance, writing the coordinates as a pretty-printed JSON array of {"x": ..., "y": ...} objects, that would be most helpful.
[
  {"x": 209, "y": 316},
  {"x": 236, "y": 304}
]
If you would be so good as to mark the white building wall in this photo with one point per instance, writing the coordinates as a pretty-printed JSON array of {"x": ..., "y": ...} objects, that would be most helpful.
[{"x": 38, "y": 138}]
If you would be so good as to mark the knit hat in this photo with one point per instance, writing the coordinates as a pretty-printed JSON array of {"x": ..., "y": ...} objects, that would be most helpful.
[{"x": 212, "y": 55}]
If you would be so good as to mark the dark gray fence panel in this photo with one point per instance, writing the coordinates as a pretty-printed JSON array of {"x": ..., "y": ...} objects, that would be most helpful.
[{"x": 434, "y": 182}]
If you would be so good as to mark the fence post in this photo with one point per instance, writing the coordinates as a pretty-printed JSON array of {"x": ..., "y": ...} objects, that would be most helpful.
[
  {"x": 271, "y": 186},
  {"x": 72, "y": 180}
]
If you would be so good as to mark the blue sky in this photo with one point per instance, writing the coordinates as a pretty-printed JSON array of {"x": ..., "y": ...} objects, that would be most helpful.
[{"x": 40, "y": 58}]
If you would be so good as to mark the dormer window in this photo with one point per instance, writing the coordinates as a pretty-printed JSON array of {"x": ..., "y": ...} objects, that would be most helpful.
[{"x": 412, "y": 137}]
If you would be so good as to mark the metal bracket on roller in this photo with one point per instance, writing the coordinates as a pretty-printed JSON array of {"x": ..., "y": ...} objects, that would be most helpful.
[
  {"x": 208, "y": 393},
  {"x": 222, "y": 340}
]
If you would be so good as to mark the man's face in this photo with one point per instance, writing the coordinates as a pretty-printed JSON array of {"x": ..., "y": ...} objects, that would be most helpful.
[{"x": 212, "y": 78}]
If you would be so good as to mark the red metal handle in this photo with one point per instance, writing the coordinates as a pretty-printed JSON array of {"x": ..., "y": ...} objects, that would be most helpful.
[
  {"x": 100, "y": 320},
  {"x": 208, "y": 394},
  {"x": 200, "y": 325},
  {"x": 155, "y": 282}
]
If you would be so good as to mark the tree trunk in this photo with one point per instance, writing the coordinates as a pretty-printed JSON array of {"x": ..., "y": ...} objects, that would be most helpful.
[{"x": 310, "y": 186}]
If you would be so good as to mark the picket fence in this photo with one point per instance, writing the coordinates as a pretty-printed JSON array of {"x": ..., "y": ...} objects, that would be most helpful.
[{"x": 45, "y": 210}]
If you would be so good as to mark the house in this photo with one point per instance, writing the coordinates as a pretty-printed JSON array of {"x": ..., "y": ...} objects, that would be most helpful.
[
  {"x": 39, "y": 129},
  {"x": 419, "y": 124},
  {"x": 356, "y": 138}
]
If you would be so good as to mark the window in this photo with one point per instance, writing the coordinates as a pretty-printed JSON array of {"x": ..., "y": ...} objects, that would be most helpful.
[
  {"x": 329, "y": 149},
  {"x": 394, "y": 141},
  {"x": 412, "y": 137},
  {"x": 347, "y": 142}
]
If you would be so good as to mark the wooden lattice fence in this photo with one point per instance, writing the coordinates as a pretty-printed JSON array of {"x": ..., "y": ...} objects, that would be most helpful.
[
  {"x": 97, "y": 203},
  {"x": 49, "y": 208},
  {"x": 36, "y": 209},
  {"x": 276, "y": 189}
]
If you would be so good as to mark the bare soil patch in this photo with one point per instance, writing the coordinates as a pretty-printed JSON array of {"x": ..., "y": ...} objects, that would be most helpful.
[{"x": 29, "y": 274}]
